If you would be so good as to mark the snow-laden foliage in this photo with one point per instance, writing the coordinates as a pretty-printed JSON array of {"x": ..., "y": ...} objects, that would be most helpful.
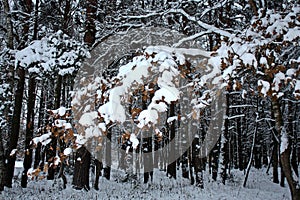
[
  {"x": 267, "y": 49},
  {"x": 56, "y": 53},
  {"x": 60, "y": 130},
  {"x": 140, "y": 94}
]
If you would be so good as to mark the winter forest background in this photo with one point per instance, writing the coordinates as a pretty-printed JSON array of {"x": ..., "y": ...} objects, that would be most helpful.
[{"x": 131, "y": 113}]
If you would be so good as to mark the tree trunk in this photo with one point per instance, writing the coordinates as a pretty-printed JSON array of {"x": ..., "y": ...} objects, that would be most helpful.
[
  {"x": 2, "y": 163},
  {"x": 107, "y": 168},
  {"x": 82, "y": 168},
  {"x": 99, "y": 167},
  {"x": 214, "y": 160},
  {"x": 9, "y": 25},
  {"x": 197, "y": 162},
  {"x": 253, "y": 7},
  {"x": 275, "y": 162},
  {"x": 275, "y": 152},
  {"x": 185, "y": 165},
  {"x": 171, "y": 168},
  {"x": 148, "y": 158},
  {"x": 225, "y": 144},
  {"x": 89, "y": 36},
  {"x": 251, "y": 155},
  {"x": 285, "y": 151},
  {"x": 29, "y": 130},
  {"x": 15, "y": 129}
]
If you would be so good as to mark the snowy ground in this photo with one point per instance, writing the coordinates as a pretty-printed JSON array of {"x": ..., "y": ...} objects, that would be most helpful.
[{"x": 259, "y": 187}]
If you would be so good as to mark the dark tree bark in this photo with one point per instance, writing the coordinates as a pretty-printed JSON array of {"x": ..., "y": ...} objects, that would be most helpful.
[
  {"x": 214, "y": 160},
  {"x": 81, "y": 177},
  {"x": 197, "y": 163},
  {"x": 285, "y": 153},
  {"x": 251, "y": 155},
  {"x": 275, "y": 157},
  {"x": 99, "y": 167},
  {"x": 2, "y": 163},
  {"x": 148, "y": 158},
  {"x": 275, "y": 161},
  {"x": 225, "y": 144},
  {"x": 10, "y": 81},
  {"x": 15, "y": 129},
  {"x": 29, "y": 129},
  {"x": 82, "y": 168},
  {"x": 171, "y": 168},
  {"x": 253, "y": 7},
  {"x": 90, "y": 33},
  {"x": 147, "y": 146},
  {"x": 107, "y": 168},
  {"x": 185, "y": 165}
]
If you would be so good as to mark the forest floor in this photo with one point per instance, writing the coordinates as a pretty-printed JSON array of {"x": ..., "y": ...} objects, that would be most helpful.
[{"x": 259, "y": 187}]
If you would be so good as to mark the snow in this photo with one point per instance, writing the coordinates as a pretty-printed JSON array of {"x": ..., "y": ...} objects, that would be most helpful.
[
  {"x": 13, "y": 152},
  {"x": 134, "y": 140},
  {"x": 168, "y": 94},
  {"x": 277, "y": 80},
  {"x": 57, "y": 160},
  {"x": 60, "y": 123},
  {"x": 290, "y": 72},
  {"x": 284, "y": 141},
  {"x": 297, "y": 86},
  {"x": 102, "y": 126},
  {"x": 68, "y": 151},
  {"x": 87, "y": 119},
  {"x": 180, "y": 51},
  {"x": 67, "y": 125},
  {"x": 62, "y": 111},
  {"x": 249, "y": 58},
  {"x": 265, "y": 87},
  {"x": 171, "y": 119},
  {"x": 292, "y": 34},
  {"x": 143, "y": 69},
  {"x": 160, "y": 107},
  {"x": 263, "y": 61},
  {"x": 47, "y": 55},
  {"x": 147, "y": 117},
  {"x": 44, "y": 139},
  {"x": 259, "y": 186},
  {"x": 297, "y": 89}
]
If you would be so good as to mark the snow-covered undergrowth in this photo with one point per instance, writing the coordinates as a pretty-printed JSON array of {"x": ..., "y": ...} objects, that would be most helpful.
[{"x": 259, "y": 186}]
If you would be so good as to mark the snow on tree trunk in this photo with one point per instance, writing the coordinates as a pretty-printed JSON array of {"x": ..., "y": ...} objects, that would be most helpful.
[
  {"x": 29, "y": 129},
  {"x": 285, "y": 151},
  {"x": 171, "y": 168},
  {"x": 14, "y": 136},
  {"x": 2, "y": 163}
]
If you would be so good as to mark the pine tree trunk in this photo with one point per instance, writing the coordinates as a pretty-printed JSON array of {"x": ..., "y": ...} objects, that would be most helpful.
[
  {"x": 90, "y": 33},
  {"x": 99, "y": 167},
  {"x": 82, "y": 168},
  {"x": 275, "y": 162},
  {"x": 225, "y": 144},
  {"x": 251, "y": 155},
  {"x": 171, "y": 168},
  {"x": 29, "y": 129},
  {"x": 275, "y": 152},
  {"x": 15, "y": 129},
  {"x": 37, "y": 156},
  {"x": 148, "y": 158},
  {"x": 197, "y": 163},
  {"x": 285, "y": 151},
  {"x": 185, "y": 165},
  {"x": 2, "y": 163},
  {"x": 214, "y": 160},
  {"x": 107, "y": 168}
]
